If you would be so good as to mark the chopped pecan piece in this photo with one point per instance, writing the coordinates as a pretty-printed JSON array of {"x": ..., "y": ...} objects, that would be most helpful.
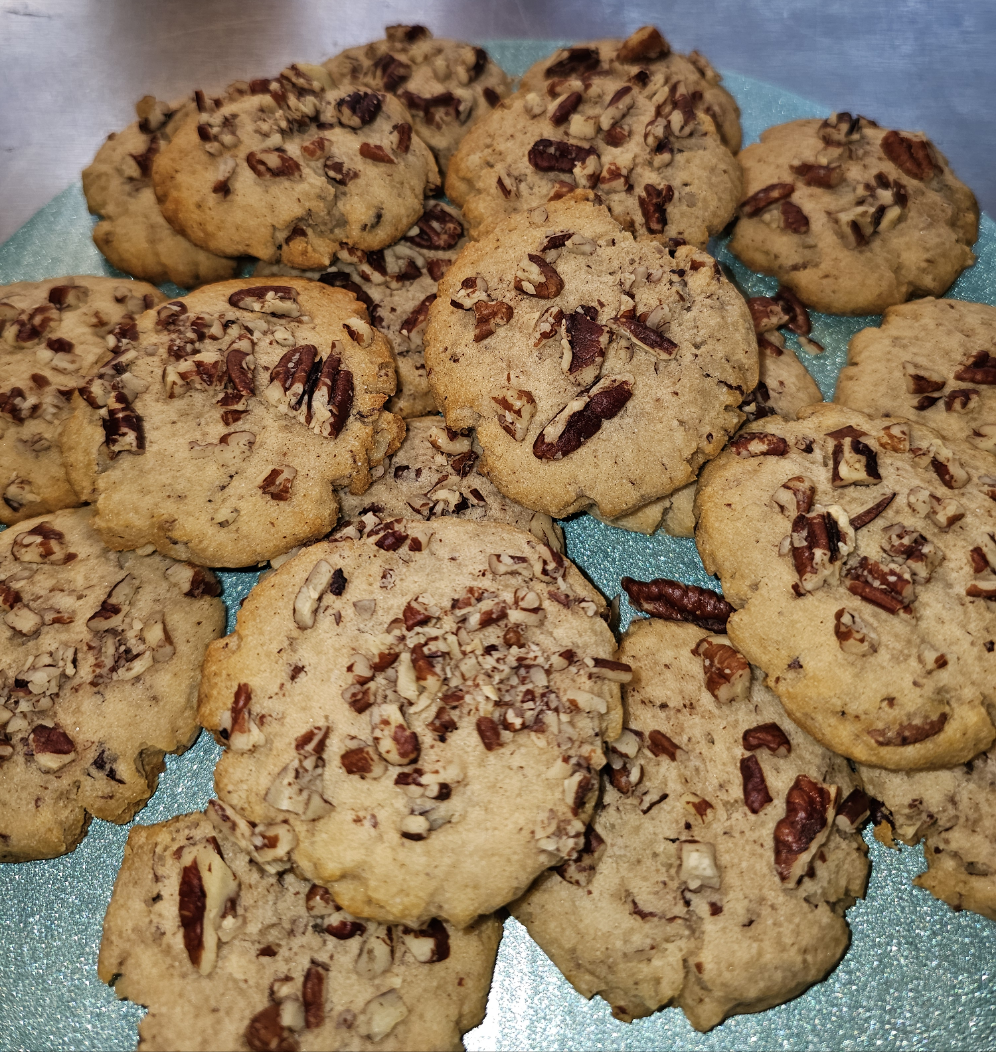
[
  {"x": 358, "y": 108},
  {"x": 582, "y": 418},
  {"x": 536, "y": 277},
  {"x": 272, "y": 164},
  {"x": 767, "y": 314},
  {"x": 42, "y": 544},
  {"x": 580, "y": 870},
  {"x": 675, "y": 601},
  {"x": 756, "y": 795},
  {"x": 793, "y": 218},
  {"x": 948, "y": 467},
  {"x": 807, "y": 804},
  {"x": 53, "y": 749},
  {"x": 653, "y": 206},
  {"x": 646, "y": 43},
  {"x": 416, "y": 321},
  {"x": 825, "y": 175},
  {"x": 819, "y": 540},
  {"x": 913, "y": 157},
  {"x": 266, "y": 299},
  {"x": 727, "y": 672},
  {"x": 908, "y": 733},
  {"x": 437, "y": 228},
  {"x": 375, "y": 152},
  {"x": 795, "y": 495},
  {"x": 766, "y": 196},
  {"x": 576, "y": 61},
  {"x": 872, "y": 513},
  {"x": 644, "y": 336},
  {"x": 564, "y": 107},
  {"x": 277, "y": 484},
  {"x": 124, "y": 431},
  {"x": 980, "y": 369},
  {"x": 490, "y": 317},
  {"x": 489, "y": 733},
  {"x": 767, "y": 736},
  {"x": 888, "y": 587},
  {"x": 854, "y": 463},
  {"x": 921, "y": 380},
  {"x": 587, "y": 340},
  {"x": 555, "y": 155},
  {"x": 515, "y": 412},
  {"x": 759, "y": 444},
  {"x": 853, "y": 635},
  {"x": 660, "y": 744}
]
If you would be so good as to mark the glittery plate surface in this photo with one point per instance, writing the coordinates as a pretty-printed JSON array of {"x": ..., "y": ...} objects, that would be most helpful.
[{"x": 917, "y": 974}]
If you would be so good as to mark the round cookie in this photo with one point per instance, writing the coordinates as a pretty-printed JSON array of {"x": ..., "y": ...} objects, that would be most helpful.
[
  {"x": 433, "y": 474},
  {"x": 447, "y": 85},
  {"x": 52, "y": 333},
  {"x": 222, "y": 423},
  {"x": 132, "y": 232},
  {"x": 649, "y": 130},
  {"x": 227, "y": 955},
  {"x": 100, "y": 656},
  {"x": 860, "y": 555},
  {"x": 288, "y": 172},
  {"x": 716, "y": 872},
  {"x": 586, "y": 349},
  {"x": 398, "y": 285},
  {"x": 934, "y": 360},
  {"x": 851, "y": 217},
  {"x": 952, "y": 812},
  {"x": 415, "y": 712}
]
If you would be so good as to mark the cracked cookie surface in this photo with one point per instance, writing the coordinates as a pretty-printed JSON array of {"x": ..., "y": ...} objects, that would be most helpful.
[
  {"x": 650, "y": 130},
  {"x": 853, "y": 218},
  {"x": 717, "y": 869},
  {"x": 224, "y": 420},
  {"x": 860, "y": 555},
  {"x": 100, "y": 657},
  {"x": 229, "y": 953},
  {"x": 447, "y": 85},
  {"x": 290, "y": 170},
  {"x": 575, "y": 350},
  {"x": 52, "y": 333},
  {"x": 416, "y": 710}
]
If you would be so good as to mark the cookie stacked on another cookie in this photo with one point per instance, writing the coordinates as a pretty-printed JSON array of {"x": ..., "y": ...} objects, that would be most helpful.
[
  {"x": 100, "y": 657},
  {"x": 650, "y": 130},
  {"x": 853, "y": 218}
]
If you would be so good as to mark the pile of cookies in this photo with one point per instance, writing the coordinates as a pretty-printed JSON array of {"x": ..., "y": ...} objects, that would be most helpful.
[{"x": 426, "y": 716}]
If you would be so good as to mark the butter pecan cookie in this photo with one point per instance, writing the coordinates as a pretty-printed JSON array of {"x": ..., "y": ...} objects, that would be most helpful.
[
  {"x": 52, "y": 333},
  {"x": 860, "y": 555},
  {"x": 447, "y": 85},
  {"x": 100, "y": 656},
  {"x": 599, "y": 370},
  {"x": 132, "y": 232},
  {"x": 649, "y": 130},
  {"x": 228, "y": 950},
  {"x": 415, "y": 711},
  {"x": 224, "y": 420},
  {"x": 716, "y": 872},
  {"x": 853, "y": 218},
  {"x": 934, "y": 360},
  {"x": 397, "y": 285},
  {"x": 433, "y": 474},
  {"x": 290, "y": 170}
]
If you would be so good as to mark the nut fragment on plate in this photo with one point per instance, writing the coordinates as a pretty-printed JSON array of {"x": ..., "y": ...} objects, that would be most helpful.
[
  {"x": 100, "y": 656},
  {"x": 132, "y": 232},
  {"x": 293, "y": 168},
  {"x": 867, "y": 588},
  {"x": 434, "y": 697},
  {"x": 717, "y": 869},
  {"x": 650, "y": 130},
  {"x": 222, "y": 422},
  {"x": 195, "y": 924},
  {"x": 851, "y": 217},
  {"x": 52, "y": 334},
  {"x": 619, "y": 369},
  {"x": 447, "y": 85}
]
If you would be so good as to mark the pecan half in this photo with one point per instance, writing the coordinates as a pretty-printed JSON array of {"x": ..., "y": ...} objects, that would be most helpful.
[
  {"x": 727, "y": 673},
  {"x": 767, "y": 736},
  {"x": 756, "y": 795},
  {"x": 582, "y": 418},
  {"x": 806, "y": 806},
  {"x": 766, "y": 196},
  {"x": 536, "y": 277},
  {"x": 675, "y": 601},
  {"x": 653, "y": 206},
  {"x": 437, "y": 228},
  {"x": 913, "y": 157}
]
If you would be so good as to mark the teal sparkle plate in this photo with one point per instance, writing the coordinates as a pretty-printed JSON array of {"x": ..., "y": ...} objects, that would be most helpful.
[{"x": 917, "y": 975}]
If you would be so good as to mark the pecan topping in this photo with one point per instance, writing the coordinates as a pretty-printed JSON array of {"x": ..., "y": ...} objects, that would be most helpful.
[
  {"x": 265, "y": 299},
  {"x": 806, "y": 806},
  {"x": 536, "y": 277},
  {"x": 921, "y": 380},
  {"x": 515, "y": 412},
  {"x": 872, "y": 513},
  {"x": 675, "y": 601},
  {"x": 418, "y": 317},
  {"x": 767, "y": 736},
  {"x": 653, "y": 205},
  {"x": 825, "y": 175},
  {"x": 888, "y": 587},
  {"x": 437, "y": 228},
  {"x": 587, "y": 341},
  {"x": 645, "y": 43},
  {"x": 793, "y": 218},
  {"x": 239, "y": 372},
  {"x": 819, "y": 540},
  {"x": 660, "y": 744},
  {"x": 913, "y": 157},
  {"x": 767, "y": 314},
  {"x": 759, "y": 444},
  {"x": 756, "y": 795},
  {"x": 853, "y": 635},
  {"x": 646, "y": 337},
  {"x": 576, "y": 61},
  {"x": 272, "y": 164},
  {"x": 42, "y": 544},
  {"x": 555, "y": 155},
  {"x": 490, "y": 317},
  {"x": 980, "y": 369},
  {"x": 313, "y": 996},
  {"x": 727, "y": 673},
  {"x": 277, "y": 484},
  {"x": 795, "y": 495},
  {"x": 854, "y": 462},
  {"x": 358, "y": 108},
  {"x": 375, "y": 152},
  {"x": 908, "y": 733},
  {"x": 489, "y": 733},
  {"x": 582, "y": 418},
  {"x": 766, "y": 196},
  {"x": 853, "y": 811},
  {"x": 580, "y": 870},
  {"x": 564, "y": 108},
  {"x": 123, "y": 429}
]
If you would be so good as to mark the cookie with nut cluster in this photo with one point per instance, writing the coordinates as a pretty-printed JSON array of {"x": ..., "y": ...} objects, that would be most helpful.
[
  {"x": 293, "y": 168},
  {"x": 223, "y": 422},
  {"x": 132, "y": 232},
  {"x": 228, "y": 951},
  {"x": 397, "y": 285},
  {"x": 52, "y": 334},
  {"x": 853, "y": 218},
  {"x": 434, "y": 474},
  {"x": 599, "y": 370},
  {"x": 100, "y": 657},
  {"x": 447, "y": 85},
  {"x": 649, "y": 130},
  {"x": 717, "y": 869},
  {"x": 951, "y": 812},
  {"x": 932, "y": 360},
  {"x": 415, "y": 711},
  {"x": 860, "y": 555}
]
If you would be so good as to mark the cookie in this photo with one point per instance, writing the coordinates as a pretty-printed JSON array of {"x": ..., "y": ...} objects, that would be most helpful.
[
  {"x": 934, "y": 360},
  {"x": 434, "y": 474},
  {"x": 851, "y": 217},
  {"x": 447, "y": 85},
  {"x": 225, "y": 419},
  {"x": 716, "y": 871},
  {"x": 585, "y": 350},
  {"x": 397, "y": 286},
  {"x": 651, "y": 131},
  {"x": 292, "y": 169},
  {"x": 52, "y": 333},
  {"x": 859, "y": 554},
  {"x": 100, "y": 656},
  {"x": 415, "y": 712},
  {"x": 226, "y": 954},
  {"x": 132, "y": 232}
]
